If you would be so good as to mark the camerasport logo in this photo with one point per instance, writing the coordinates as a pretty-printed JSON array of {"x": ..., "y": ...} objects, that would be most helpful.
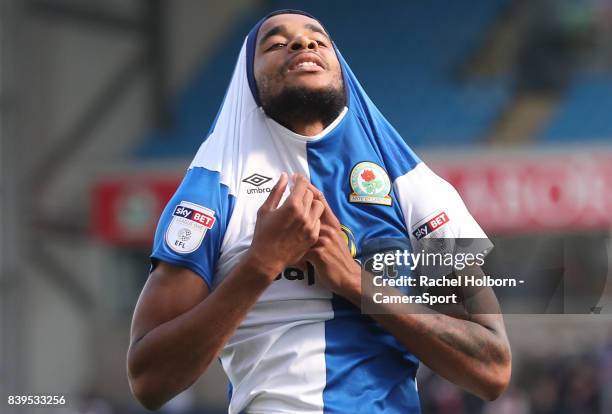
[
  {"x": 430, "y": 225},
  {"x": 189, "y": 224}
]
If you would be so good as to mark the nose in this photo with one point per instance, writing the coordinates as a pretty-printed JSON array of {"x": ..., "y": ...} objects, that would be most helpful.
[{"x": 303, "y": 42}]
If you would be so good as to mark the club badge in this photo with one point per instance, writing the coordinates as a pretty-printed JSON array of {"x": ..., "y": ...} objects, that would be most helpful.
[
  {"x": 189, "y": 224},
  {"x": 370, "y": 184}
]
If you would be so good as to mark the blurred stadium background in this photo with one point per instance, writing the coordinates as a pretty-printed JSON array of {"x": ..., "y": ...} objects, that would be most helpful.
[{"x": 103, "y": 104}]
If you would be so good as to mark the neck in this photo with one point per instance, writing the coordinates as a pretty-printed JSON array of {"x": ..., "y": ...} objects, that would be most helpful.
[
  {"x": 305, "y": 112},
  {"x": 307, "y": 129}
]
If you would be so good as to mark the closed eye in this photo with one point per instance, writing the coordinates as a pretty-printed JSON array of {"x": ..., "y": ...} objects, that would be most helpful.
[{"x": 276, "y": 46}]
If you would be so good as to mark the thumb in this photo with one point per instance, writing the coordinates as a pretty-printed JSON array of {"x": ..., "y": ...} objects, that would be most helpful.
[{"x": 276, "y": 194}]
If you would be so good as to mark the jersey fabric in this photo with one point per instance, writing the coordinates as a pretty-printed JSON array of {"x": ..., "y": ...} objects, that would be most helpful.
[{"x": 302, "y": 349}]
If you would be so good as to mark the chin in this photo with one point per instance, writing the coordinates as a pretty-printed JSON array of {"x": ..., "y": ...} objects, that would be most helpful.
[{"x": 310, "y": 81}]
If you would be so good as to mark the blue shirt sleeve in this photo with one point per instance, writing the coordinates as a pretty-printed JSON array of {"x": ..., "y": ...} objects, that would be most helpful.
[{"x": 192, "y": 226}]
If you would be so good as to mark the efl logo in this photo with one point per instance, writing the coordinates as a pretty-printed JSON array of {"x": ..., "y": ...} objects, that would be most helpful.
[
  {"x": 199, "y": 217},
  {"x": 430, "y": 226}
]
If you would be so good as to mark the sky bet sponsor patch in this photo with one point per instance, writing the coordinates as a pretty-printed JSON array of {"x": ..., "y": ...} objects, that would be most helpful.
[
  {"x": 430, "y": 225},
  {"x": 188, "y": 226}
]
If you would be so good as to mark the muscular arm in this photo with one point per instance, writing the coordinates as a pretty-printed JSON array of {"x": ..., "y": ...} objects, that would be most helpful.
[
  {"x": 469, "y": 348},
  {"x": 179, "y": 327}
]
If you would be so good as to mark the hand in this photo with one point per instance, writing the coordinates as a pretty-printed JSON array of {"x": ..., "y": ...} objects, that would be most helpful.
[
  {"x": 284, "y": 234},
  {"x": 331, "y": 257}
]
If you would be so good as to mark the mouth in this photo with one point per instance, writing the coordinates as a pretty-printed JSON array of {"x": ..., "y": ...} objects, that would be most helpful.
[{"x": 306, "y": 62}]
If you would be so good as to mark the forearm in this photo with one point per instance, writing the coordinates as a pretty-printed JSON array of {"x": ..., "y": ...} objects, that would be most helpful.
[
  {"x": 172, "y": 356},
  {"x": 473, "y": 353},
  {"x": 464, "y": 352}
]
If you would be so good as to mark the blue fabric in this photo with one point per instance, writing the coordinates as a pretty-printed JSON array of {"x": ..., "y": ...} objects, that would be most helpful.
[
  {"x": 375, "y": 126},
  {"x": 367, "y": 369},
  {"x": 202, "y": 187}
]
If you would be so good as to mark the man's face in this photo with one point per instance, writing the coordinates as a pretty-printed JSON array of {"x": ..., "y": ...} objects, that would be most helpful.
[
  {"x": 294, "y": 55},
  {"x": 294, "y": 50}
]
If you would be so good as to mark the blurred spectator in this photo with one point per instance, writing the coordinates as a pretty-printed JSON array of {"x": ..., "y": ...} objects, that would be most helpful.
[
  {"x": 513, "y": 401},
  {"x": 559, "y": 30},
  {"x": 556, "y": 385}
]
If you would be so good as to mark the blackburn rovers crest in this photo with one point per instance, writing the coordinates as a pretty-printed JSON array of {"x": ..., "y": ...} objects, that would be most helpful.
[{"x": 370, "y": 184}]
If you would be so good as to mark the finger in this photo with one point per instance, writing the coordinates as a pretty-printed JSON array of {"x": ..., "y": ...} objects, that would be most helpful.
[
  {"x": 302, "y": 265},
  {"x": 328, "y": 214},
  {"x": 316, "y": 210},
  {"x": 317, "y": 227},
  {"x": 317, "y": 193},
  {"x": 299, "y": 187},
  {"x": 307, "y": 202},
  {"x": 277, "y": 193}
]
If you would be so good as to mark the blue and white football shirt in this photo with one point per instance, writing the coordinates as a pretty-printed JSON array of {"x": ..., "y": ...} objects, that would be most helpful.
[{"x": 300, "y": 348}]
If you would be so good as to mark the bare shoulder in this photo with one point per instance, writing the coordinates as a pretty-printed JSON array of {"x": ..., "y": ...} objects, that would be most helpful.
[{"x": 169, "y": 292}]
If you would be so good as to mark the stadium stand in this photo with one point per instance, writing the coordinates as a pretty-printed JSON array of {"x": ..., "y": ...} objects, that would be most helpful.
[
  {"x": 419, "y": 88},
  {"x": 583, "y": 112}
]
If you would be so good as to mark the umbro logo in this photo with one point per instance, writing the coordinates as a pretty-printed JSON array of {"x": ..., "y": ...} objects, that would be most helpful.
[{"x": 256, "y": 179}]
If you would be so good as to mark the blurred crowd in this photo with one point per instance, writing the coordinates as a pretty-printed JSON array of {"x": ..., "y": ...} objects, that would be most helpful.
[
  {"x": 562, "y": 38},
  {"x": 572, "y": 384}
]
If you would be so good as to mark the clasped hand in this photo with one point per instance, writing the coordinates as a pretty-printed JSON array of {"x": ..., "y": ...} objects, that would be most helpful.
[{"x": 304, "y": 228}]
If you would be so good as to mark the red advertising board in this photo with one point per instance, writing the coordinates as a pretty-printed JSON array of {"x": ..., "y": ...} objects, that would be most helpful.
[
  {"x": 535, "y": 194},
  {"x": 512, "y": 195},
  {"x": 125, "y": 209}
]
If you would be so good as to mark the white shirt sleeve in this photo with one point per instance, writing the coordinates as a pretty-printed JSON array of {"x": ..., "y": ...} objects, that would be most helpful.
[{"x": 432, "y": 208}]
